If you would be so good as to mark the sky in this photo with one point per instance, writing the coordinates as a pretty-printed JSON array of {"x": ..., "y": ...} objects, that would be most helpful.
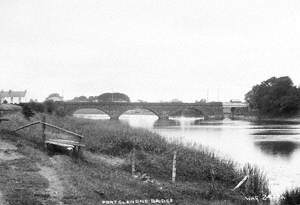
[{"x": 152, "y": 50}]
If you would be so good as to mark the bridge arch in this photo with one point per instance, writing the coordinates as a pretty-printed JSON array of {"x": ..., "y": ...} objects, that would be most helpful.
[
  {"x": 90, "y": 111},
  {"x": 140, "y": 109}
]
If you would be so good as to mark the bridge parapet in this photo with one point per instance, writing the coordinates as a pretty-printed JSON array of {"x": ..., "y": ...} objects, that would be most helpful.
[{"x": 162, "y": 110}]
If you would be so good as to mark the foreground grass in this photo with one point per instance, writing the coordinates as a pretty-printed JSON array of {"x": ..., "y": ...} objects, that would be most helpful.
[
  {"x": 201, "y": 176},
  {"x": 291, "y": 197}
]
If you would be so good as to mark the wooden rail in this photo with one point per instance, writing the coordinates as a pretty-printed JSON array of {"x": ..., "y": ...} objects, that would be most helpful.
[
  {"x": 28, "y": 125},
  {"x": 49, "y": 125},
  {"x": 62, "y": 129},
  {"x": 74, "y": 145}
]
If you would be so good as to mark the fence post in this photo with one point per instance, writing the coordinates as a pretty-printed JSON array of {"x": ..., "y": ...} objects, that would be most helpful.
[
  {"x": 174, "y": 167},
  {"x": 43, "y": 130},
  {"x": 212, "y": 174},
  {"x": 133, "y": 162}
]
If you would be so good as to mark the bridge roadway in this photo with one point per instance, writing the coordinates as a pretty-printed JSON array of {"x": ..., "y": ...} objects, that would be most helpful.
[{"x": 211, "y": 110}]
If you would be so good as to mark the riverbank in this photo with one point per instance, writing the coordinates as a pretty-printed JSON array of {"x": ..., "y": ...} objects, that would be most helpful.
[
  {"x": 201, "y": 177},
  {"x": 253, "y": 118}
]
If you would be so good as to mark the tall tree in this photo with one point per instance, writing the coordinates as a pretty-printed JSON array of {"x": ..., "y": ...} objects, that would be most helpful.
[
  {"x": 80, "y": 99},
  {"x": 113, "y": 97},
  {"x": 275, "y": 97}
]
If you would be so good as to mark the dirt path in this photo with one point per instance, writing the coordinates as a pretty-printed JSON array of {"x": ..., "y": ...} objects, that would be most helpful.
[
  {"x": 26, "y": 180},
  {"x": 2, "y": 201},
  {"x": 55, "y": 188},
  {"x": 8, "y": 152}
]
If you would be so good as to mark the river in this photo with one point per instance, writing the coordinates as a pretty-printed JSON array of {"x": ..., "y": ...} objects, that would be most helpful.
[{"x": 273, "y": 147}]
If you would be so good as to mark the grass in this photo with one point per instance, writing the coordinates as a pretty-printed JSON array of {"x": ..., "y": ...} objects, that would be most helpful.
[
  {"x": 200, "y": 174},
  {"x": 290, "y": 197},
  {"x": 257, "y": 184}
]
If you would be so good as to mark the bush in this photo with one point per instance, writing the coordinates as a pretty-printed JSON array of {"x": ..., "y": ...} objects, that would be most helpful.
[
  {"x": 27, "y": 111},
  {"x": 49, "y": 106},
  {"x": 37, "y": 107},
  {"x": 60, "y": 112}
]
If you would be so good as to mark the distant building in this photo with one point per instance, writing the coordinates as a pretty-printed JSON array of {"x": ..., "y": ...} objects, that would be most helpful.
[
  {"x": 12, "y": 96},
  {"x": 235, "y": 101},
  {"x": 232, "y": 104}
]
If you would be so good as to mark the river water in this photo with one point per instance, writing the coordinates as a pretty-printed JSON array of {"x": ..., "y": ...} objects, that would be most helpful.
[{"x": 273, "y": 147}]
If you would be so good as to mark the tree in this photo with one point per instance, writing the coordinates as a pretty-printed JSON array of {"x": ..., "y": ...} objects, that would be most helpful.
[
  {"x": 113, "y": 97},
  {"x": 92, "y": 98},
  {"x": 275, "y": 97},
  {"x": 80, "y": 99},
  {"x": 54, "y": 97},
  {"x": 201, "y": 101}
]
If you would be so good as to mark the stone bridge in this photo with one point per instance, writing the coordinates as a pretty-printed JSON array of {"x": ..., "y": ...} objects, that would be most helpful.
[{"x": 213, "y": 110}]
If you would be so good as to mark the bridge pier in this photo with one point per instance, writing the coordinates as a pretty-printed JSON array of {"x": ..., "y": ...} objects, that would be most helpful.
[
  {"x": 163, "y": 115},
  {"x": 114, "y": 116}
]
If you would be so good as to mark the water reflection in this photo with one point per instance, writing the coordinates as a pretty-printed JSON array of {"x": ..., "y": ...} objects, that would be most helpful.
[
  {"x": 204, "y": 122},
  {"x": 276, "y": 122},
  {"x": 279, "y": 148},
  {"x": 276, "y": 132},
  {"x": 185, "y": 122},
  {"x": 166, "y": 123},
  {"x": 275, "y": 127}
]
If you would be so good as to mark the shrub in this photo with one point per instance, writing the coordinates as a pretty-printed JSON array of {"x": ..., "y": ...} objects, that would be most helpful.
[
  {"x": 37, "y": 107},
  {"x": 49, "y": 106},
  {"x": 60, "y": 112},
  {"x": 27, "y": 112}
]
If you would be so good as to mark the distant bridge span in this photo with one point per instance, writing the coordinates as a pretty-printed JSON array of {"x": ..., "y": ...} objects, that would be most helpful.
[{"x": 213, "y": 110}]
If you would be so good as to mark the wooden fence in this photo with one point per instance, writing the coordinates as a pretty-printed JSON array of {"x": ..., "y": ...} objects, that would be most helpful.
[
  {"x": 72, "y": 144},
  {"x": 173, "y": 176}
]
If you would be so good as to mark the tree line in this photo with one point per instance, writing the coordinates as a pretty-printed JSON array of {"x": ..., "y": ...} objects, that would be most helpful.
[
  {"x": 275, "y": 97},
  {"x": 105, "y": 97}
]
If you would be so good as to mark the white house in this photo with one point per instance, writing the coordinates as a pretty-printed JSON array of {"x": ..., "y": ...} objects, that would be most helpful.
[{"x": 12, "y": 96}]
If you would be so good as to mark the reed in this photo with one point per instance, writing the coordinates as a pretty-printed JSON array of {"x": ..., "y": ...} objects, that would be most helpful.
[{"x": 290, "y": 197}]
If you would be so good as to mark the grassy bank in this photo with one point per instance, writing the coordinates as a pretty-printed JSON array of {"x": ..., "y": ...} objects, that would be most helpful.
[
  {"x": 290, "y": 197},
  {"x": 201, "y": 176}
]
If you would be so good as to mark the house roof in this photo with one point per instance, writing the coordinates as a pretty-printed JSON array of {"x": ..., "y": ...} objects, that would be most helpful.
[{"x": 10, "y": 93}]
